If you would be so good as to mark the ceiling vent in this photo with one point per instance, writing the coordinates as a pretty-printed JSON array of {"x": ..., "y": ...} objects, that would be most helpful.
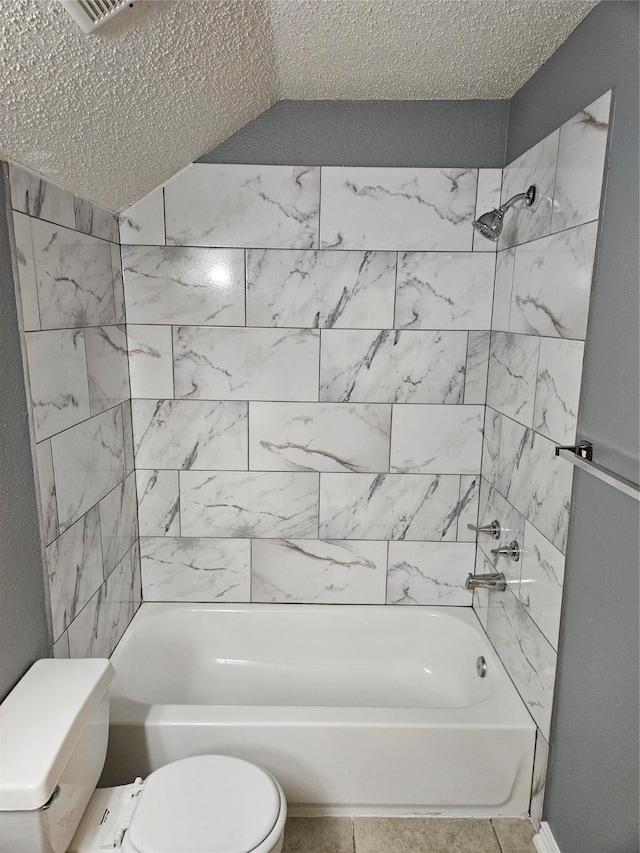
[{"x": 91, "y": 14}]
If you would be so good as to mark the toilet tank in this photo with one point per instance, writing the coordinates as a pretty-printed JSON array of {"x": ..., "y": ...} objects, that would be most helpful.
[{"x": 54, "y": 727}]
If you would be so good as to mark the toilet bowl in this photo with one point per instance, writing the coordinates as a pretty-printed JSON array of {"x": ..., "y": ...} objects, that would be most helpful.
[
  {"x": 53, "y": 738},
  {"x": 203, "y": 804}
]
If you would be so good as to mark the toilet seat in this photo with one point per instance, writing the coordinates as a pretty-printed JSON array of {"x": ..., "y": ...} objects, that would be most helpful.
[{"x": 205, "y": 804}]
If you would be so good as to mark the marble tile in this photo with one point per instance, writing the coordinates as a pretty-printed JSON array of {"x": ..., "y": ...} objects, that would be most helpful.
[
  {"x": 61, "y": 647},
  {"x": 502, "y": 290},
  {"x": 107, "y": 366},
  {"x": 312, "y": 289},
  {"x": 26, "y": 272},
  {"x": 318, "y": 835},
  {"x": 127, "y": 430},
  {"x": 255, "y": 504},
  {"x": 118, "y": 523},
  {"x": 558, "y": 389},
  {"x": 535, "y": 480},
  {"x": 150, "y": 361},
  {"x": 468, "y": 507},
  {"x": 143, "y": 222},
  {"x": 88, "y": 461},
  {"x": 319, "y": 437},
  {"x": 136, "y": 586},
  {"x": 99, "y": 627},
  {"x": 91, "y": 219},
  {"x": 319, "y": 572},
  {"x": 581, "y": 163},
  {"x": 541, "y": 583},
  {"x": 74, "y": 569},
  {"x": 195, "y": 569},
  {"x": 493, "y": 506},
  {"x": 57, "y": 379},
  {"x": 536, "y": 166},
  {"x": 273, "y": 207},
  {"x": 475, "y": 384},
  {"x": 118, "y": 285},
  {"x": 392, "y": 367},
  {"x": 436, "y": 439},
  {"x": 552, "y": 284},
  {"x": 190, "y": 434},
  {"x": 429, "y": 572},
  {"x": 511, "y": 385},
  {"x": 525, "y": 653},
  {"x": 74, "y": 277},
  {"x": 539, "y": 780},
  {"x": 424, "y": 835},
  {"x": 491, "y": 446},
  {"x": 481, "y": 596},
  {"x": 515, "y": 835},
  {"x": 165, "y": 284},
  {"x": 158, "y": 503},
  {"x": 47, "y": 486},
  {"x": 246, "y": 364},
  {"x": 32, "y": 195},
  {"x": 442, "y": 290},
  {"x": 389, "y": 506},
  {"x": 397, "y": 209},
  {"x": 489, "y": 188}
]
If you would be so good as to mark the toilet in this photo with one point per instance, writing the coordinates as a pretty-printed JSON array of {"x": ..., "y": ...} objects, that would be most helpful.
[{"x": 53, "y": 741}]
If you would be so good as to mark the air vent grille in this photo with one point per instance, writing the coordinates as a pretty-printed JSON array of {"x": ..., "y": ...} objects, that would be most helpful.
[{"x": 91, "y": 14}]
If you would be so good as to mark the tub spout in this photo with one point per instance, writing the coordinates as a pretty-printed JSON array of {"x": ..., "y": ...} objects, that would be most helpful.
[{"x": 494, "y": 580}]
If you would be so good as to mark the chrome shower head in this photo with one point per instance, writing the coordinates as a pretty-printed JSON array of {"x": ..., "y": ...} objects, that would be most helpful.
[{"x": 490, "y": 224}]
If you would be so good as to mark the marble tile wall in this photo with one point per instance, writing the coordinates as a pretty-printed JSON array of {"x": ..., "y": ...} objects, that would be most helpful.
[
  {"x": 544, "y": 267},
  {"x": 72, "y": 317},
  {"x": 308, "y": 355}
]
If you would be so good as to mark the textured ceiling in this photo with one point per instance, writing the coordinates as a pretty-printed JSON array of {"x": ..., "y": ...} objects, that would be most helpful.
[
  {"x": 114, "y": 114},
  {"x": 415, "y": 49}
]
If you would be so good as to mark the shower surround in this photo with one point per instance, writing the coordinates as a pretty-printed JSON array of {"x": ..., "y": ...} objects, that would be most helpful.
[
  {"x": 308, "y": 354},
  {"x": 72, "y": 320},
  {"x": 331, "y": 375}
]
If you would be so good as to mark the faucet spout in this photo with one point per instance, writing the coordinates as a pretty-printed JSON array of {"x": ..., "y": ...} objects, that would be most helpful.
[{"x": 493, "y": 580}]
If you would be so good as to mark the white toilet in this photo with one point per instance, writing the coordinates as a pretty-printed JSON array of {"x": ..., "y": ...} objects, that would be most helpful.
[{"x": 53, "y": 741}]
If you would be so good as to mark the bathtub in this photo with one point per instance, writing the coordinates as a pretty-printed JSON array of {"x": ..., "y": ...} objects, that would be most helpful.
[{"x": 354, "y": 709}]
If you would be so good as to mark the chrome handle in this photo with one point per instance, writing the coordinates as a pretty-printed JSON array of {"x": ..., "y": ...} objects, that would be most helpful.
[
  {"x": 493, "y": 529},
  {"x": 54, "y": 796},
  {"x": 512, "y": 550}
]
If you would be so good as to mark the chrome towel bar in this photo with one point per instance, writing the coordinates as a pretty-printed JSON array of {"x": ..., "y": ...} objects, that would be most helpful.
[{"x": 581, "y": 455}]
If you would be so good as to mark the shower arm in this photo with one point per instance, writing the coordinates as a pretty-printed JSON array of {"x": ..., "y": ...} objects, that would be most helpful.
[{"x": 529, "y": 197}]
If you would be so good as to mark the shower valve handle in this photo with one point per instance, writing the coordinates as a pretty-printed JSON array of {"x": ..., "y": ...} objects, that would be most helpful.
[
  {"x": 493, "y": 528},
  {"x": 512, "y": 550}
]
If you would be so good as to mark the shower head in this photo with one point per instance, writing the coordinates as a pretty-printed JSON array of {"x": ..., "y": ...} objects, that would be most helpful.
[{"x": 490, "y": 224}]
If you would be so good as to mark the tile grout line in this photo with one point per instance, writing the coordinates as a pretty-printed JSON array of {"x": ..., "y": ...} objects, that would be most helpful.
[{"x": 495, "y": 835}]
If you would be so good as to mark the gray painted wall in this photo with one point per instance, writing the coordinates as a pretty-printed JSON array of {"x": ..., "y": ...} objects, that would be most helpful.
[
  {"x": 592, "y": 794},
  {"x": 372, "y": 133},
  {"x": 24, "y": 635}
]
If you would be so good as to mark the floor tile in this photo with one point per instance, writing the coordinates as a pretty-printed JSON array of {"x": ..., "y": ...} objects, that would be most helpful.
[
  {"x": 318, "y": 835},
  {"x": 514, "y": 835},
  {"x": 424, "y": 835}
]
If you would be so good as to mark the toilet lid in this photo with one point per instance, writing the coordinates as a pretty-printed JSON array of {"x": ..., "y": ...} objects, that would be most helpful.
[{"x": 205, "y": 804}]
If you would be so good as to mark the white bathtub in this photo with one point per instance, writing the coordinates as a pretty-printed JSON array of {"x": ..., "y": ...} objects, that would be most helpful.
[{"x": 354, "y": 709}]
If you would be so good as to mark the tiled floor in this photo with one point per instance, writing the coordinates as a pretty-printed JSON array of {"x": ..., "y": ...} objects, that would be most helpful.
[{"x": 407, "y": 835}]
